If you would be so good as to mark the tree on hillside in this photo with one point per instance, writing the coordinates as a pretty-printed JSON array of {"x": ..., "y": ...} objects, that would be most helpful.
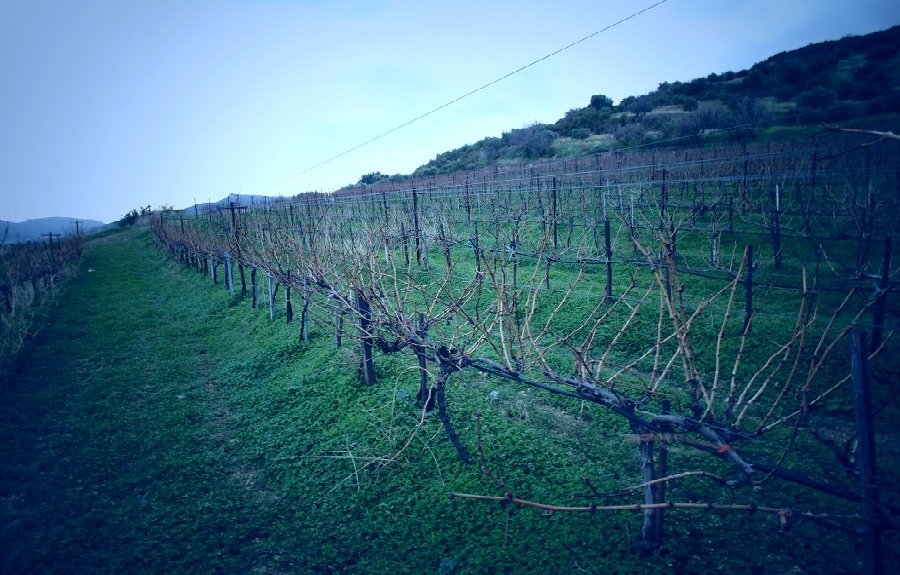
[
  {"x": 708, "y": 116},
  {"x": 748, "y": 114},
  {"x": 370, "y": 178},
  {"x": 640, "y": 107},
  {"x": 599, "y": 101},
  {"x": 128, "y": 219},
  {"x": 630, "y": 135},
  {"x": 531, "y": 142},
  {"x": 818, "y": 98},
  {"x": 686, "y": 103}
]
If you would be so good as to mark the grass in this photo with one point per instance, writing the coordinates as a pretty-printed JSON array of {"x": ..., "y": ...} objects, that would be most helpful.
[{"x": 160, "y": 425}]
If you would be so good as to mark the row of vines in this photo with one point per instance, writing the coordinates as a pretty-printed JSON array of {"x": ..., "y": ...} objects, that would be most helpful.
[
  {"x": 29, "y": 274},
  {"x": 703, "y": 298}
]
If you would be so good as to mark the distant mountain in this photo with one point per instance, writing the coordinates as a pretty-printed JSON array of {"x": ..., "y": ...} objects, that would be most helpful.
[
  {"x": 238, "y": 199},
  {"x": 18, "y": 232}
]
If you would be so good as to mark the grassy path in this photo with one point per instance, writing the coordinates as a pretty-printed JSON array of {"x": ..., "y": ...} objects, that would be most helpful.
[{"x": 114, "y": 458}]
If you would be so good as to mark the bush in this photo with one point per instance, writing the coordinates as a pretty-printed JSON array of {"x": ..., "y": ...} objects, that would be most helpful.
[
  {"x": 687, "y": 103},
  {"x": 581, "y": 133},
  {"x": 845, "y": 90},
  {"x": 599, "y": 101},
  {"x": 370, "y": 178},
  {"x": 842, "y": 113},
  {"x": 870, "y": 91},
  {"x": 128, "y": 219},
  {"x": 531, "y": 142},
  {"x": 885, "y": 105},
  {"x": 818, "y": 98},
  {"x": 883, "y": 52}
]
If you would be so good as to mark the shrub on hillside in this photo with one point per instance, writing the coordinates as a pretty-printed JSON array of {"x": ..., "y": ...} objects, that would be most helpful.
[
  {"x": 581, "y": 133},
  {"x": 817, "y": 98},
  {"x": 128, "y": 219}
]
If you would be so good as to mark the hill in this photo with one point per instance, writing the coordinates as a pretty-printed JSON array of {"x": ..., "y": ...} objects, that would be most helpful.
[
  {"x": 237, "y": 199},
  {"x": 853, "y": 80},
  {"x": 18, "y": 232}
]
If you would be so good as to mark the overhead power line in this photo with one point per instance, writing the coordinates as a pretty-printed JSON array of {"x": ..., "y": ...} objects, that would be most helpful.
[{"x": 466, "y": 95}]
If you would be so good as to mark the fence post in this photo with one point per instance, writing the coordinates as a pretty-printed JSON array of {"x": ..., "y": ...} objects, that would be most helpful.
[
  {"x": 871, "y": 531},
  {"x": 254, "y": 288}
]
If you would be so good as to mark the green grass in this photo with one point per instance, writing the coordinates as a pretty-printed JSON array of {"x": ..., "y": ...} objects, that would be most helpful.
[{"x": 160, "y": 425}]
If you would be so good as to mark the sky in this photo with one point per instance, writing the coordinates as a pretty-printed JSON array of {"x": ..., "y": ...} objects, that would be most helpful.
[{"x": 108, "y": 105}]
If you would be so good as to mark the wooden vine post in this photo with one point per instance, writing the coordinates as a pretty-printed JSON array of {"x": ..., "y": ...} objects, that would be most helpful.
[
  {"x": 776, "y": 228},
  {"x": 662, "y": 463},
  {"x": 416, "y": 230},
  {"x": 288, "y": 308},
  {"x": 730, "y": 215},
  {"x": 648, "y": 474},
  {"x": 425, "y": 396},
  {"x": 304, "y": 313},
  {"x": 553, "y": 214},
  {"x": 271, "y": 297},
  {"x": 883, "y": 285},
  {"x": 871, "y": 531},
  {"x": 367, "y": 364},
  {"x": 748, "y": 289},
  {"x": 229, "y": 274},
  {"x": 338, "y": 321},
  {"x": 405, "y": 241},
  {"x": 609, "y": 269}
]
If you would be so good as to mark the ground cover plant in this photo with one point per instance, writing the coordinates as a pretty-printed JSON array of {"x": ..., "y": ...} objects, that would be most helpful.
[
  {"x": 190, "y": 433},
  {"x": 457, "y": 273},
  {"x": 185, "y": 432}
]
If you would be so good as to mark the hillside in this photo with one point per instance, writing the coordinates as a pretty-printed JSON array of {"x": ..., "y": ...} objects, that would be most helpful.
[
  {"x": 237, "y": 199},
  {"x": 35, "y": 229},
  {"x": 854, "y": 81}
]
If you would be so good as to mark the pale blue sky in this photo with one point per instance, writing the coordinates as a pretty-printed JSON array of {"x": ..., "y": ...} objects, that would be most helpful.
[{"x": 106, "y": 105}]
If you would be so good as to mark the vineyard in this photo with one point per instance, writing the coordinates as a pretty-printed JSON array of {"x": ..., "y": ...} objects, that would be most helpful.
[
  {"x": 29, "y": 276},
  {"x": 715, "y": 300}
]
